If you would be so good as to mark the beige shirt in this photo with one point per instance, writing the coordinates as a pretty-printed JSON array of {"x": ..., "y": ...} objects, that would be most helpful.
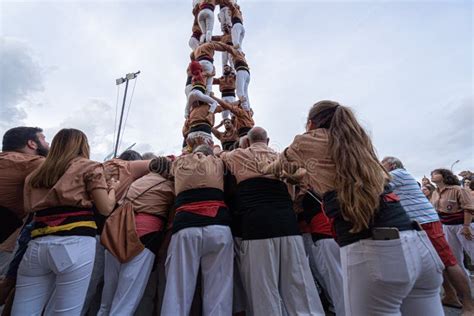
[
  {"x": 452, "y": 199},
  {"x": 311, "y": 152},
  {"x": 14, "y": 168},
  {"x": 208, "y": 49},
  {"x": 248, "y": 163},
  {"x": 225, "y": 82},
  {"x": 126, "y": 172},
  {"x": 241, "y": 118},
  {"x": 226, "y": 136},
  {"x": 152, "y": 194},
  {"x": 195, "y": 171},
  {"x": 200, "y": 114},
  {"x": 73, "y": 189}
]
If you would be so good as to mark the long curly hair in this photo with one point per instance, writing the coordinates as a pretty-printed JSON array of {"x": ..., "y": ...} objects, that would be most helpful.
[
  {"x": 448, "y": 176},
  {"x": 360, "y": 178}
]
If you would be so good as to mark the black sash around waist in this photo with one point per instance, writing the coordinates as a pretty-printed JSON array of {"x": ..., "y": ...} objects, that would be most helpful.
[
  {"x": 266, "y": 209},
  {"x": 9, "y": 223},
  {"x": 243, "y": 131},
  {"x": 200, "y": 127},
  {"x": 184, "y": 220},
  {"x": 198, "y": 195},
  {"x": 389, "y": 214},
  {"x": 236, "y": 20},
  {"x": 228, "y": 93},
  {"x": 205, "y": 57},
  {"x": 228, "y": 145}
]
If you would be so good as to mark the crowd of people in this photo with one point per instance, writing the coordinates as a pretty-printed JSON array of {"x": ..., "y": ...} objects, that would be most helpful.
[{"x": 231, "y": 229}]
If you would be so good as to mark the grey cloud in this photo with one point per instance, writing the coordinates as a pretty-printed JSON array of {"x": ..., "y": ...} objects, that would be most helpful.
[{"x": 20, "y": 77}]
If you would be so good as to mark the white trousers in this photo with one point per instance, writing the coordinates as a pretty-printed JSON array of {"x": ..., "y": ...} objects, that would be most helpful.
[
  {"x": 206, "y": 23},
  {"x": 242, "y": 82},
  {"x": 275, "y": 270},
  {"x": 54, "y": 262},
  {"x": 193, "y": 42},
  {"x": 308, "y": 245},
  {"x": 97, "y": 276},
  {"x": 227, "y": 113},
  {"x": 392, "y": 277},
  {"x": 224, "y": 17},
  {"x": 125, "y": 283},
  {"x": 327, "y": 256},
  {"x": 459, "y": 244},
  {"x": 238, "y": 34},
  {"x": 240, "y": 298},
  {"x": 207, "y": 66},
  {"x": 210, "y": 248},
  {"x": 196, "y": 95}
]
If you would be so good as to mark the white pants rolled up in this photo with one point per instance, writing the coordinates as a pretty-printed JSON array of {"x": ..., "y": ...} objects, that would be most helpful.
[
  {"x": 275, "y": 270},
  {"x": 54, "y": 262},
  {"x": 125, "y": 283},
  {"x": 240, "y": 299},
  {"x": 327, "y": 256},
  {"x": 238, "y": 34},
  {"x": 206, "y": 23},
  {"x": 224, "y": 17},
  {"x": 207, "y": 66},
  {"x": 227, "y": 113},
  {"x": 195, "y": 96},
  {"x": 392, "y": 277},
  {"x": 212, "y": 249},
  {"x": 97, "y": 275},
  {"x": 459, "y": 243},
  {"x": 193, "y": 42},
  {"x": 242, "y": 87}
]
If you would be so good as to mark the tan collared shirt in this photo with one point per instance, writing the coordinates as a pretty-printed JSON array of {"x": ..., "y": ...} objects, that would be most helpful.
[
  {"x": 152, "y": 194},
  {"x": 452, "y": 199},
  {"x": 208, "y": 49},
  {"x": 200, "y": 114},
  {"x": 126, "y": 172},
  {"x": 195, "y": 171},
  {"x": 73, "y": 189},
  {"x": 247, "y": 163},
  {"x": 311, "y": 152},
  {"x": 14, "y": 168},
  {"x": 242, "y": 118},
  {"x": 226, "y": 136},
  {"x": 226, "y": 82}
]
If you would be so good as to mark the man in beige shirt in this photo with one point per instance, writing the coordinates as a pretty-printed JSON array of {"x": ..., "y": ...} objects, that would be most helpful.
[
  {"x": 274, "y": 268},
  {"x": 23, "y": 150},
  {"x": 201, "y": 238}
]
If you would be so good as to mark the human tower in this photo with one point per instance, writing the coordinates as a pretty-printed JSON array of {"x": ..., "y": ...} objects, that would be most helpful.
[{"x": 202, "y": 104}]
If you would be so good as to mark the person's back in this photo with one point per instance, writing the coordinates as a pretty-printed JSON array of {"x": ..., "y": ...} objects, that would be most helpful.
[
  {"x": 412, "y": 198},
  {"x": 201, "y": 237},
  {"x": 23, "y": 151},
  {"x": 61, "y": 193},
  {"x": 270, "y": 235}
]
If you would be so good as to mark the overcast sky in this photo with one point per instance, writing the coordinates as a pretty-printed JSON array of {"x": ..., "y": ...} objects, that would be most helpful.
[{"x": 405, "y": 67}]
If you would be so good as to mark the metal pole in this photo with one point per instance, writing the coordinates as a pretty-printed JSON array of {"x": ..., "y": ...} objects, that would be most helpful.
[
  {"x": 454, "y": 164},
  {"x": 121, "y": 118}
]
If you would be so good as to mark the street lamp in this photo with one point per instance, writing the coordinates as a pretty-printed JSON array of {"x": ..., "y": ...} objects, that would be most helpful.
[
  {"x": 454, "y": 164},
  {"x": 119, "y": 81}
]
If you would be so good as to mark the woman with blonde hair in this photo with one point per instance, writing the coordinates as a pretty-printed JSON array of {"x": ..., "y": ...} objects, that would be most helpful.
[
  {"x": 62, "y": 193},
  {"x": 389, "y": 267}
]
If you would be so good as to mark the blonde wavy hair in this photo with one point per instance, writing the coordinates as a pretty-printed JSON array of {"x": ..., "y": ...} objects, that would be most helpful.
[
  {"x": 66, "y": 145},
  {"x": 360, "y": 178}
]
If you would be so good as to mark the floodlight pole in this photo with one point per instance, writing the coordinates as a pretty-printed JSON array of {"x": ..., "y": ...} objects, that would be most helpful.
[{"x": 119, "y": 81}]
